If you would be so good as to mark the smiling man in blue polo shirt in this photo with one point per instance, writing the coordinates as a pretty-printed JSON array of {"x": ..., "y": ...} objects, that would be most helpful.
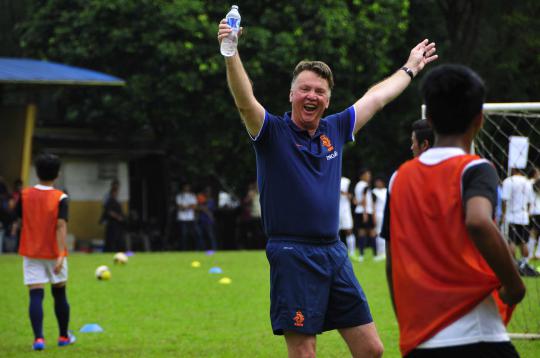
[{"x": 313, "y": 286}]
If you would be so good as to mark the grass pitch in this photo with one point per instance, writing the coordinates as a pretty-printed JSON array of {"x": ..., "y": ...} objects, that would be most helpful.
[{"x": 159, "y": 306}]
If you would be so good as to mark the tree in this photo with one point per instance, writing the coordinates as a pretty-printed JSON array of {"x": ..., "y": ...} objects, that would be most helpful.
[
  {"x": 168, "y": 54},
  {"x": 498, "y": 39},
  {"x": 11, "y": 12}
]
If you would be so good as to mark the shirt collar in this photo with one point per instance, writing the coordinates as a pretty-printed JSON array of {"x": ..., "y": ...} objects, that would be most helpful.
[
  {"x": 43, "y": 187},
  {"x": 320, "y": 129},
  {"x": 436, "y": 155}
]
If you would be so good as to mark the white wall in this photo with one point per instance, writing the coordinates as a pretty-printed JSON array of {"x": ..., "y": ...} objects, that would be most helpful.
[{"x": 80, "y": 177}]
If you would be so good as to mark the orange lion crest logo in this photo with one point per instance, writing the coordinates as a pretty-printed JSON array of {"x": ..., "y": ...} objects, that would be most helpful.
[
  {"x": 327, "y": 143},
  {"x": 299, "y": 319}
]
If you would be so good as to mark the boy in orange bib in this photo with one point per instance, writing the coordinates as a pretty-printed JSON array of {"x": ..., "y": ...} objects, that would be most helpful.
[
  {"x": 43, "y": 211},
  {"x": 452, "y": 279}
]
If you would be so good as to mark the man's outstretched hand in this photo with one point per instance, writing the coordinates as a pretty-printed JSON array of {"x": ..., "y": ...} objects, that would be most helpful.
[{"x": 421, "y": 55}]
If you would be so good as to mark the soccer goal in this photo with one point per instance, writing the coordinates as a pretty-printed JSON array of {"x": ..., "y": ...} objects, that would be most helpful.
[{"x": 510, "y": 138}]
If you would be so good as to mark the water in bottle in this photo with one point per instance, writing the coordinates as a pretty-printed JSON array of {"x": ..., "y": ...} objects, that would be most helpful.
[{"x": 229, "y": 43}]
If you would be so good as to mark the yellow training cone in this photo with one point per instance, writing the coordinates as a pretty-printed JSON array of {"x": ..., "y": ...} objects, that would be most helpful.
[
  {"x": 195, "y": 264},
  {"x": 225, "y": 281}
]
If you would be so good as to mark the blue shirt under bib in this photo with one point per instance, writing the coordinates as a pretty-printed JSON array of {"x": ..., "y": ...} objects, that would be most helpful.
[{"x": 299, "y": 176}]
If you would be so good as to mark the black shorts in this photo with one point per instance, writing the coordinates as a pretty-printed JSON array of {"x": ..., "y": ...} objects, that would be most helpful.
[
  {"x": 475, "y": 350},
  {"x": 535, "y": 223},
  {"x": 313, "y": 288},
  {"x": 359, "y": 222},
  {"x": 518, "y": 234}
]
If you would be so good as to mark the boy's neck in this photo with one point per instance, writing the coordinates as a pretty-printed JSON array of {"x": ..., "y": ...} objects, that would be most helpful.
[
  {"x": 46, "y": 182},
  {"x": 463, "y": 141}
]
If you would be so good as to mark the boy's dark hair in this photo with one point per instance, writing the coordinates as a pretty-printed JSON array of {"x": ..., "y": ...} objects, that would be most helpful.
[
  {"x": 379, "y": 177},
  {"x": 319, "y": 67},
  {"x": 363, "y": 171},
  {"x": 423, "y": 131},
  {"x": 454, "y": 96},
  {"x": 47, "y": 166}
]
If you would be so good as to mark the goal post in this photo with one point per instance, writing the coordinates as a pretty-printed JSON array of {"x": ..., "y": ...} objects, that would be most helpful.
[{"x": 510, "y": 138}]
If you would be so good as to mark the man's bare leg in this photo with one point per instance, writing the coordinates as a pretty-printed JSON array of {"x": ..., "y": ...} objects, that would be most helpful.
[
  {"x": 363, "y": 341},
  {"x": 300, "y": 345}
]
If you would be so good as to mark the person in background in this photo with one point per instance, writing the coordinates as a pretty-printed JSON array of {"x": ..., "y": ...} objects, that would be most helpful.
[
  {"x": 43, "y": 211},
  {"x": 206, "y": 206},
  {"x": 255, "y": 223},
  {"x": 11, "y": 239},
  {"x": 363, "y": 213},
  {"x": 534, "y": 178},
  {"x": 249, "y": 221},
  {"x": 517, "y": 196},
  {"x": 345, "y": 217},
  {"x": 186, "y": 203},
  {"x": 115, "y": 185},
  {"x": 114, "y": 219},
  {"x": 16, "y": 193},
  {"x": 379, "y": 194},
  {"x": 421, "y": 137}
]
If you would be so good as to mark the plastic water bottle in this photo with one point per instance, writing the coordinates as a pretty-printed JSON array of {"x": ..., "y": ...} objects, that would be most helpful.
[{"x": 229, "y": 43}]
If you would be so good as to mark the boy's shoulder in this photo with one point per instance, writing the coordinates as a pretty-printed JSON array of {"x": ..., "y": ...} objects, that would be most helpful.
[
  {"x": 39, "y": 189},
  {"x": 433, "y": 159}
]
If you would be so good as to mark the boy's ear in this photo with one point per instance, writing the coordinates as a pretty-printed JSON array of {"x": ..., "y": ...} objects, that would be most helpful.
[
  {"x": 478, "y": 122},
  {"x": 424, "y": 145}
]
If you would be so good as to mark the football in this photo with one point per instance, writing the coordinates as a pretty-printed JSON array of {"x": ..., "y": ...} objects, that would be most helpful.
[
  {"x": 103, "y": 273},
  {"x": 120, "y": 258}
]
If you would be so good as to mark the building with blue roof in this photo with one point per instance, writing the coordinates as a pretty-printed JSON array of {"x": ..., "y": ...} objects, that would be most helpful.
[{"x": 23, "y": 85}]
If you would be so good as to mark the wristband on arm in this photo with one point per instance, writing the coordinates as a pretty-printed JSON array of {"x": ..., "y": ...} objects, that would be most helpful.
[{"x": 408, "y": 71}]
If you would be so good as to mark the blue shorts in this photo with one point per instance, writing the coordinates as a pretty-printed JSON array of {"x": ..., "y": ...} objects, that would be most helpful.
[{"x": 313, "y": 287}]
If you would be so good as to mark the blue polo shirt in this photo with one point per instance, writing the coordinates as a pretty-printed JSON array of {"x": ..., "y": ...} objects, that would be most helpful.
[{"x": 299, "y": 175}]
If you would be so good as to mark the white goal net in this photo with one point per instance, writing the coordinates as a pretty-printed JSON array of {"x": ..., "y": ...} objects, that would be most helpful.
[{"x": 510, "y": 138}]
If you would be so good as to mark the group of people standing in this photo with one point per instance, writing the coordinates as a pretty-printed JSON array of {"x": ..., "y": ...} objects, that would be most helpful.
[
  {"x": 195, "y": 219},
  {"x": 208, "y": 222},
  {"x": 361, "y": 214}
]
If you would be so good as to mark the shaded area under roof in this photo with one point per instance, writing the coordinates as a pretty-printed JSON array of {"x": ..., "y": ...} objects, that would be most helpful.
[{"x": 34, "y": 72}]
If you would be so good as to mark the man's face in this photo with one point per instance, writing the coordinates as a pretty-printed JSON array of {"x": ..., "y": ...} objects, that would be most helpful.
[{"x": 310, "y": 97}]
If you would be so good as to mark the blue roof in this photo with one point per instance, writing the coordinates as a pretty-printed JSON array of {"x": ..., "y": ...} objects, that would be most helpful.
[{"x": 26, "y": 71}]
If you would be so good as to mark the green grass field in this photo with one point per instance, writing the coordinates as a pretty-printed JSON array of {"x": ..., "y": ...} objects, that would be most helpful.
[{"x": 159, "y": 306}]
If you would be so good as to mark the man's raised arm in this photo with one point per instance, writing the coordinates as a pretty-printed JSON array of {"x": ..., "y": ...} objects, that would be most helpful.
[
  {"x": 385, "y": 91},
  {"x": 251, "y": 111}
]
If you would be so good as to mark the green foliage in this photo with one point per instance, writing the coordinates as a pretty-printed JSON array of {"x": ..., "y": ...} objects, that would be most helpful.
[
  {"x": 498, "y": 39},
  {"x": 11, "y": 12},
  {"x": 168, "y": 54}
]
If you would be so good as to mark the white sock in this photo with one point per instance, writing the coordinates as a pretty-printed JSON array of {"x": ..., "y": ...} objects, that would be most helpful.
[
  {"x": 531, "y": 244},
  {"x": 381, "y": 245},
  {"x": 351, "y": 244}
]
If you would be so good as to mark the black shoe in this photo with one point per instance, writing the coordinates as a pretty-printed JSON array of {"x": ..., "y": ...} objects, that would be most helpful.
[{"x": 527, "y": 270}]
